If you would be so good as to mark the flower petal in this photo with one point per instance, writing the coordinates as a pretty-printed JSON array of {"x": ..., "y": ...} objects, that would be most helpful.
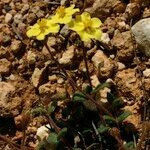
[
  {"x": 77, "y": 26},
  {"x": 96, "y": 34},
  {"x": 84, "y": 36},
  {"x": 40, "y": 37},
  {"x": 33, "y": 32},
  {"x": 85, "y": 16},
  {"x": 96, "y": 22}
]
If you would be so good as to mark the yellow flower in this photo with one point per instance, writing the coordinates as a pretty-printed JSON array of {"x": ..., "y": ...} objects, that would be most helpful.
[
  {"x": 42, "y": 28},
  {"x": 64, "y": 15},
  {"x": 88, "y": 28}
]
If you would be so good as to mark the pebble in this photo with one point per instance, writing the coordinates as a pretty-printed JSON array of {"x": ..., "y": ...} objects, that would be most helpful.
[
  {"x": 146, "y": 73},
  {"x": 42, "y": 132},
  {"x": 105, "y": 38},
  {"x": 141, "y": 32},
  {"x": 5, "y": 66},
  {"x": 67, "y": 56},
  {"x": 31, "y": 57},
  {"x": 18, "y": 18},
  {"x": 15, "y": 46},
  {"x": 8, "y": 18},
  {"x": 121, "y": 66}
]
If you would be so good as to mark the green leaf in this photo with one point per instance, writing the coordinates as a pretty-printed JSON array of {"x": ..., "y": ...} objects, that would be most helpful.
[
  {"x": 110, "y": 98},
  {"x": 130, "y": 145},
  {"x": 103, "y": 129},
  {"x": 117, "y": 103},
  {"x": 52, "y": 138},
  {"x": 79, "y": 97},
  {"x": 109, "y": 119},
  {"x": 62, "y": 133},
  {"x": 38, "y": 111},
  {"x": 99, "y": 87},
  {"x": 123, "y": 116},
  {"x": 88, "y": 89},
  {"x": 52, "y": 107}
]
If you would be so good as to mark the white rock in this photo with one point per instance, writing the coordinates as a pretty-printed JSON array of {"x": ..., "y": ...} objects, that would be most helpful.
[
  {"x": 67, "y": 56},
  {"x": 141, "y": 32},
  {"x": 121, "y": 66},
  {"x": 146, "y": 73},
  {"x": 8, "y": 18},
  {"x": 94, "y": 80},
  {"x": 105, "y": 38},
  {"x": 43, "y": 132}
]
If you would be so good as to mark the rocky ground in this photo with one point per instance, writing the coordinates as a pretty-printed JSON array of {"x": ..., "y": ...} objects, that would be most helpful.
[{"x": 27, "y": 74}]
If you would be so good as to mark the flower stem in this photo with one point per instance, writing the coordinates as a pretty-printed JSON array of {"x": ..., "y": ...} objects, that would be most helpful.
[{"x": 86, "y": 65}]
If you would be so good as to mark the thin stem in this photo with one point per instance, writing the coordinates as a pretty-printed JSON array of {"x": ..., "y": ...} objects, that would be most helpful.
[
  {"x": 86, "y": 65},
  {"x": 99, "y": 105}
]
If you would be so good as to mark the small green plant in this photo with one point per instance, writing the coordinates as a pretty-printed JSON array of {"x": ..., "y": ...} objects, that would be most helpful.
[{"x": 84, "y": 122}]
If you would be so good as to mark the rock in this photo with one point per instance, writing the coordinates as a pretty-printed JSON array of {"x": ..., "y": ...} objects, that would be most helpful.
[
  {"x": 124, "y": 43},
  {"x": 5, "y": 66},
  {"x": 18, "y": 18},
  {"x": 37, "y": 76},
  {"x": 47, "y": 88},
  {"x": 129, "y": 84},
  {"x": 43, "y": 132},
  {"x": 105, "y": 38},
  {"x": 25, "y": 8},
  {"x": 31, "y": 18},
  {"x": 132, "y": 10},
  {"x": 4, "y": 53},
  {"x": 102, "y": 63},
  {"x": 121, "y": 66},
  {"x": 31, "y": 57},
  {"x": 94, "y": 80},
  {"x": 67, "y": 56},
  {"x": 102, "y": 8},
  {"x": 15, "y": 46},
  {"x": 146, "y": 73},
  {"x": 5, "y": 90},
  {"x": 141, "y": 32},
  {"x": 8, "y": 18}
]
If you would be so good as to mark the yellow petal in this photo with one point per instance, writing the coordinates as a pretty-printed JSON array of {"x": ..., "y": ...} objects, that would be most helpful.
[
  {"x": 77, "y": 26},
  {"x": 40, "y": 37},
  {"x": 85, "y": 16},
  {"x": 33, "y": 32},
  {"x": 84, "y": 36},
  {"x": 66, "y": 19},
  {"x": 96, "y": 34},
  {"x": 96, "y": 22}
]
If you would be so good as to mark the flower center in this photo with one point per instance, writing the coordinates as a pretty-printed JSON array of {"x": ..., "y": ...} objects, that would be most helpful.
[
  {"x": 42, "y": 25},
  {"x": 88, "y": 25},
  {"x": 61, "y": 11}
]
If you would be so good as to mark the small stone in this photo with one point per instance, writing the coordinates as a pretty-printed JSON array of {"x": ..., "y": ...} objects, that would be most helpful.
[
  {"x": 15, "y": 46},
  {"x": 105, "y": 38},
  {"x": 25, "y": 8},
  {"x": 146, "y": 73},
  {"x": 94, "y": 80},
  {"x": 43, "y": 132},
  {"x": 18, "y": 18},
  {"x": 67, "y": 56},
  {"x": 5, "y": 66},
  {"x": 102, "y": 62},
  {"x": 121, "y": 66},
  {"x": 60, "y": 80},
  {"x": 31, "y": 18},
  {"x": 31, "y": 57},
  {"x": 37, "y": 76},
  {"x": 8, "y": 18},
  {"x": 141, "y": 32},
  {"x": 52, "y": 78}
]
